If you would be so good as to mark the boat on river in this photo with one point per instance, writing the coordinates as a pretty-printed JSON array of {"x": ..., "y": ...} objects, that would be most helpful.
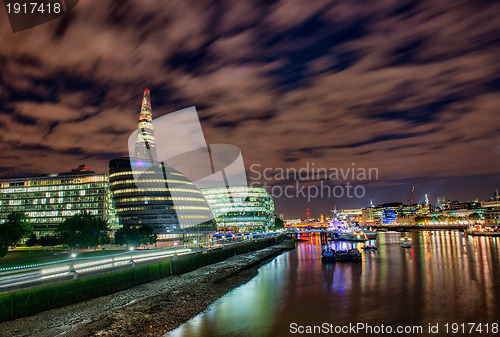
[
  {"x": 369, "y": 248},
  {"x": 348, "y": 235},
  {"x": 371, "y": 235},
  {"x": 331, "y": 255},
  {"x": 482, "y": 231},
  {"x": 406, "y": 242}
]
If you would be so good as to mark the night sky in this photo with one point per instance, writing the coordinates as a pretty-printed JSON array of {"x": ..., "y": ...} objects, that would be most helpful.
[{"x": 408, "y": 87}]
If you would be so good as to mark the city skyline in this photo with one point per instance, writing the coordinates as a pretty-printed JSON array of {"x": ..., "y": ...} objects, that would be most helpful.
[{"x": 408, "y": 88}]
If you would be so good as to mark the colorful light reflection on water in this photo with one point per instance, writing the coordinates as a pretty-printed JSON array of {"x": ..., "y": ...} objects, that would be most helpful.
[{"x": 445, "y": 277}]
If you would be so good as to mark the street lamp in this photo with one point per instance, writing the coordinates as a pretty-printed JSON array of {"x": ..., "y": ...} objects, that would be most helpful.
[
  {"x": 131, "y": 249},
  {"x": 175, "y": 248},
  {"x": 72, "y": 269}
]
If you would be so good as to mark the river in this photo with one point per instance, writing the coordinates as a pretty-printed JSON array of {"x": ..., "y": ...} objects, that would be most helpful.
[{"x": 445, "y": 278}]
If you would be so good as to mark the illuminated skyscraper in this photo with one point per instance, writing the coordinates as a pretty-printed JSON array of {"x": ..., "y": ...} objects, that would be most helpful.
[
  {"x": 440, "y": 202},
  {"x": 145, "y": 144}
]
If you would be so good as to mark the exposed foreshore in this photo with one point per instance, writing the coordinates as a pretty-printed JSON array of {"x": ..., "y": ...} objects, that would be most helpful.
[{"x": 150, "y": 309}]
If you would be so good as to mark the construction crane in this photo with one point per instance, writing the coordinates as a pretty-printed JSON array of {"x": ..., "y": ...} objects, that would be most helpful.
[{"x": 410, "y": 196}]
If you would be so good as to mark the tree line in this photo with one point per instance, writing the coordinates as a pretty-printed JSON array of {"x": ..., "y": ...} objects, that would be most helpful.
[{"x": 80, "y": 230}]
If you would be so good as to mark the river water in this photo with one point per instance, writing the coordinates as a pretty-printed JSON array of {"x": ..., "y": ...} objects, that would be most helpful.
[{"x": 445, "y": 278}]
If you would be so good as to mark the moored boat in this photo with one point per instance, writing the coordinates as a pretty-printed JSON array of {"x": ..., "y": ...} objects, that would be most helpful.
[
  {"x": 406, "y": 242},
  {"x": 371, "y": 235},
  {"x": 482, "y": 231},
  {"x": 330, "y": 255},
  {"x": 349, "y": 236}
]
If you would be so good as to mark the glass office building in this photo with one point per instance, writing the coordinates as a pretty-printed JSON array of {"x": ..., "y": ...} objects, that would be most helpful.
[
  {"x": 159, "y": 196},
  {"x": 241, "y": 208},
  {"x": 49, "y": 199}
]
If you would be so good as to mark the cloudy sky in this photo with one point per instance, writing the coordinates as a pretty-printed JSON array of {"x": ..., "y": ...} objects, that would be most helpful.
[{"x": 408, "y": 87}]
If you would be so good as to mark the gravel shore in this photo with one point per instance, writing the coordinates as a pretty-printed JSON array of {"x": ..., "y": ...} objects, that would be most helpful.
[{"x": 151, "y": 309}]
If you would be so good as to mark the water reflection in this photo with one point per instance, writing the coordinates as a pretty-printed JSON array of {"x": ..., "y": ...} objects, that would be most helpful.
[{"x": 444, "y": 277}]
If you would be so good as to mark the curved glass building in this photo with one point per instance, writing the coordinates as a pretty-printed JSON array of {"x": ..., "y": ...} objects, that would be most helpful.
[
  {"x": 159, "y": 196},
  {"x": 241, "y": 208}
]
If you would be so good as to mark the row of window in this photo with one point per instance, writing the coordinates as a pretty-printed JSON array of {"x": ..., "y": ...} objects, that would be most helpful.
[
  {"x": 242, "y": 208},
  {"x": 128, "y": 209},
  {"x": 126, "y": 182},
  {"x": 245, "y": 205},
  {"x": 237, "y": 200},
  {"x": 42, "y": 182},
  {"x": 196, "y": 217},
  {"x": 123, "y": 200},
  {"x": 140, "y": 190},
  {"x": 130, "y": 173},
  {"x": 61, "y": 213},
  {"x": 192, "y": 207},
  {"x": 135, "y": 218},
  {"x": 224, "y": 196},
  {"x": 14, "y": 202},
  {"x": 244, "y": 221},
  {"x": 142, "y": 208},
  {"x": 55, "y": 194},
  {"x": 26, "y": 208},
  {"x": 53, "y": 188}
]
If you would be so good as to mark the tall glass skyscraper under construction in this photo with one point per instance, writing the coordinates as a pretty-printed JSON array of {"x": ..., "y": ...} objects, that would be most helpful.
[{"x": 145, "y": 145}]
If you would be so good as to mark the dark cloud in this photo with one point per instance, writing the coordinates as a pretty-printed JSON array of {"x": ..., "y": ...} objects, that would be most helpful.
[{"x": 409, "y": 87}]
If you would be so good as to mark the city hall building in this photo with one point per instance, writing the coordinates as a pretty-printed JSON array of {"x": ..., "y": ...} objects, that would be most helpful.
[
  {"x": 49, "y": 199},
  {"x": 160, "y": 197}
]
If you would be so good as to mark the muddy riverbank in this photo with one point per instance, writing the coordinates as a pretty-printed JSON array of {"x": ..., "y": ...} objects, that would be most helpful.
[{"x": 150, "y": 309}]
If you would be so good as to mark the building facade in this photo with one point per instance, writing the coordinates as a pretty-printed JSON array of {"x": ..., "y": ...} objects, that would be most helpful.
[
  {"x": 241, "y": 208},
  {"x": 160, "y": 197},
  {"x": 492, "y": 209},
  {"x": 49, "y": 199}
]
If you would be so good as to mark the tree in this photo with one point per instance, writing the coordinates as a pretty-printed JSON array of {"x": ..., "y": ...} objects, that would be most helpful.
[
  {"x": 32, "y": 240},
  {"x": 48, "y": 241},
  {"x": 18, "y": 227},
  {"x": 474, "y": 217},
  {"x": 442, "y": 218},
  {"x": 278, "y": 223},
  {"x": 422, "y": 219},
  {"x": 135, "y": 236},
  {"x": 82, "y": 229},
  {"x": 4, "y": 247},
  {"x": 13, "y": 230}
]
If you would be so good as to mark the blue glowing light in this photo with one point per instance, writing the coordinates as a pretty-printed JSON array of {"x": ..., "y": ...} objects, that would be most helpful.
[{"x": 139, "y": 163}]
